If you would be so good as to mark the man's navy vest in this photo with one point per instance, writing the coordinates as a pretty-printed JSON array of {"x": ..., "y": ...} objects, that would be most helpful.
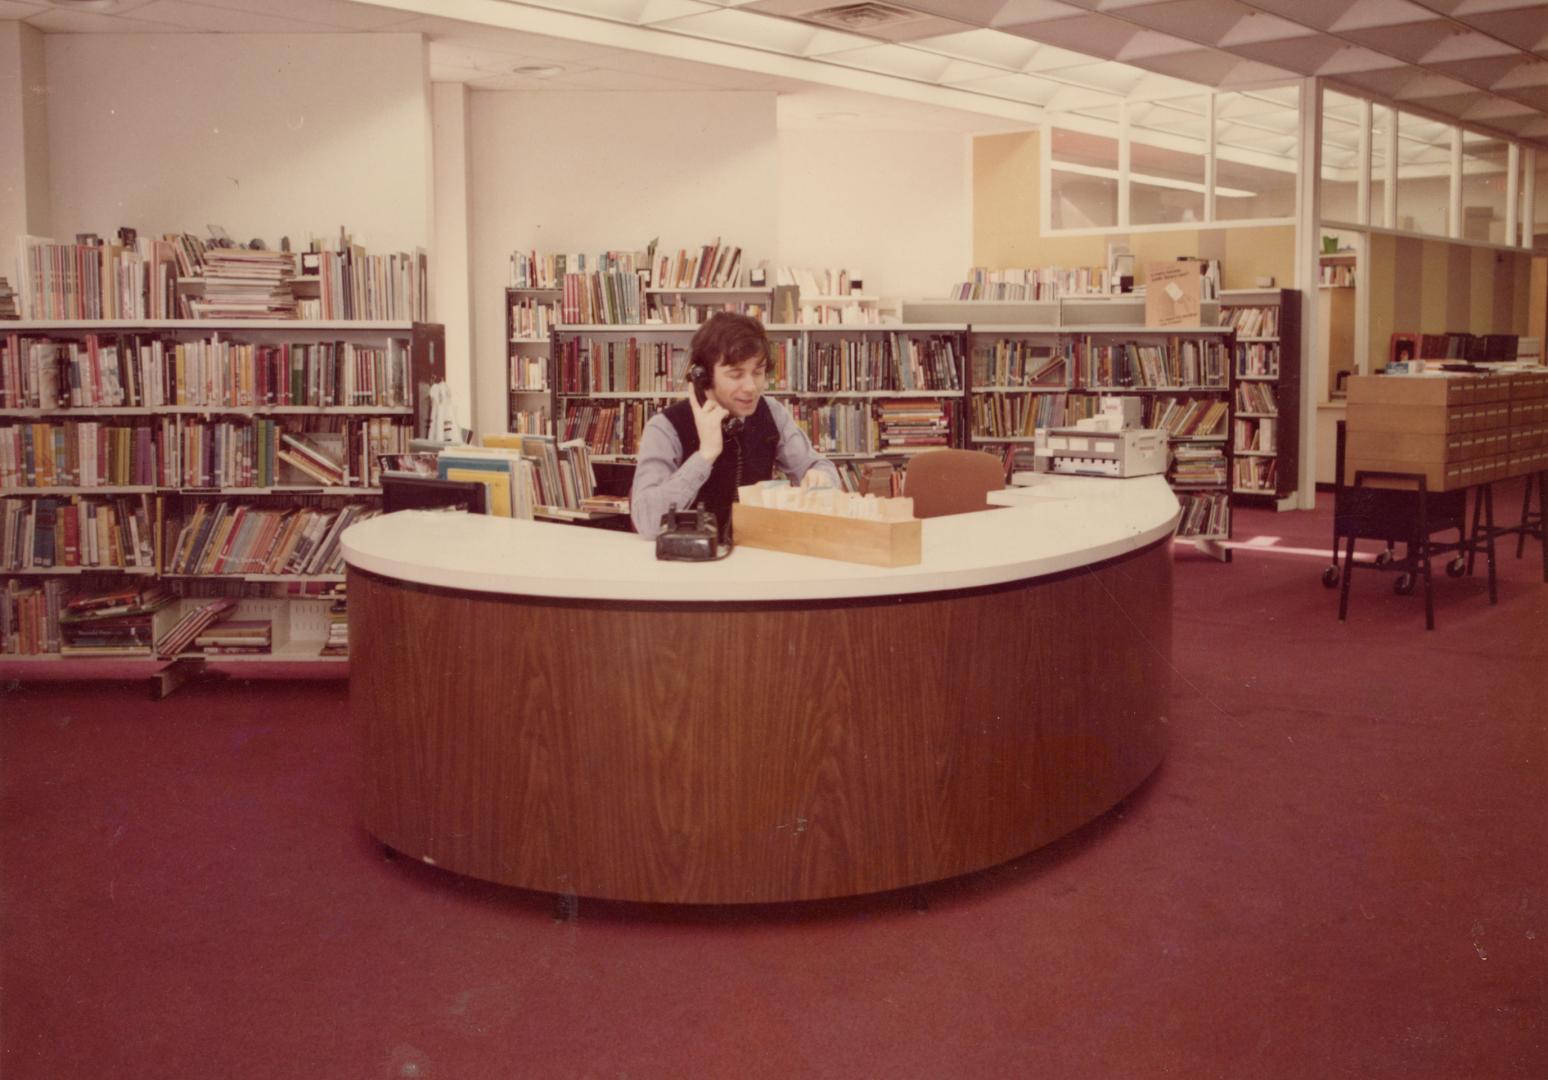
[{"x": 748, "y": 457}]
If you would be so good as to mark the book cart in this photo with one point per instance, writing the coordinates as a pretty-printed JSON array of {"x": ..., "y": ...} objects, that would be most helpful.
[{"x": 203, "y": 463}]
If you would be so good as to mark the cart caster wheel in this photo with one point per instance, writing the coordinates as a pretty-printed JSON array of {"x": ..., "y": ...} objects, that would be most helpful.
[
  {"x": 1330, "y": 577},
  {"x": 1383, "y": 557},
  {"x": 1456, "y": 568},
  {"x": 1404, "y": 585}
]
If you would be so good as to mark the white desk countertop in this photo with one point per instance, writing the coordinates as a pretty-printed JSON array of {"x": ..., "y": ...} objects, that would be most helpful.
[{"x": 1052, "y": 524}]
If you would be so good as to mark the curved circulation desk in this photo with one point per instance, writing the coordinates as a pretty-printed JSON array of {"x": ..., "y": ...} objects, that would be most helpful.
[{"x": 550, "y": 707}]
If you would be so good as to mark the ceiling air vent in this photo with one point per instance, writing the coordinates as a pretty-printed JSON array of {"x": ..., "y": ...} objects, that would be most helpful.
[{"x": 860, "y": 17}]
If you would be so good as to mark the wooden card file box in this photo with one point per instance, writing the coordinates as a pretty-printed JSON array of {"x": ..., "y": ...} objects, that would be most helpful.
[{"x": 875, "y": 543}]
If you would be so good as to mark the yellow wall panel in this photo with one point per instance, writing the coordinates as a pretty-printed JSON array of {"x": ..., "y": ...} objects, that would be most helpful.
[
  {"x": 1251, "y": 253},
  {"x": 1005, "y": 201}
]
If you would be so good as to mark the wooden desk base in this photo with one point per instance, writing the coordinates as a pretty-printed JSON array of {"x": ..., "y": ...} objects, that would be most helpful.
[{"x": 719, "y": 753}]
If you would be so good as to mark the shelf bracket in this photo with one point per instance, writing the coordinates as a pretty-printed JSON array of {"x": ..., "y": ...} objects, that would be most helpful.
[{"x": 175, "y": 674}]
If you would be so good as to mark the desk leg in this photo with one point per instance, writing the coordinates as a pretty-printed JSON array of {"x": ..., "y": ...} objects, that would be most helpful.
[
  {"x": 1488, "y": 500},
  {"x": 1542, "y": 517},
  {"x": 1472, "y": 536},
  {"x": 1526, "y": 510},
  {"x": 1343, "y": 590}
]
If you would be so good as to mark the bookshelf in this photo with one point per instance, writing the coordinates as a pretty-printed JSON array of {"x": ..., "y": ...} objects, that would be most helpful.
[
  {"x": 1266, "y": 377},
  {"x": 531, "y": 313},
  {"x": 196, "y": 460},
  {"x": 860, "y": 391},
  {"x": 1040, "y": 364}
]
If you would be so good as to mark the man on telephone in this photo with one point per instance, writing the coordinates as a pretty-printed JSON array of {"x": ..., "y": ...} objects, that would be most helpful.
[{"x": 723, "y": 434}]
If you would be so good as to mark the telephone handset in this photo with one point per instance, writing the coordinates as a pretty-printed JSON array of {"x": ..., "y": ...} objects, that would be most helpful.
[{"x": 731, "y": 425}]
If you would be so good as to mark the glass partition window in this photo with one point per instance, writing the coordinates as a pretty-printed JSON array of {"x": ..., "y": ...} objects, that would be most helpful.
[
  {"x": 1257, "y": 140},
  {"x": 1424, "y": 175},
  {"x": 1168, "y": 144},
  {"x": 1083, "y": 180},
  {"x": 1485, "y": 187},
  {"x": 1340, "y": 157}
]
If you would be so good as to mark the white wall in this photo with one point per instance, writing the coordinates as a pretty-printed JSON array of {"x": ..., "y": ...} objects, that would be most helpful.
[
  {"x": 451, "y": 301},
  {"x": 263, "y": 134},
  {"x": 892, "y": 207},
  {"x": 24, "y": 191},
  {"x": 585, "y": 172}
]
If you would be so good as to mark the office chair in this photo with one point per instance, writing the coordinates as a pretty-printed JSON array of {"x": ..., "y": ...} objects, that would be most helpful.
[{"x": 943, "y": 482}]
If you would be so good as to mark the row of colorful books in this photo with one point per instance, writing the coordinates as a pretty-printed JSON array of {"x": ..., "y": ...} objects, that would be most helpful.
[
  {"x": 1181, "y": 363},
  {"x": 49, "y": 532},
  {"x": 228, "y": 537},
  {"x": 183, "y": 452},
  {"x": 141, "y": 370},
  {"x": 1016, "y": 362}
]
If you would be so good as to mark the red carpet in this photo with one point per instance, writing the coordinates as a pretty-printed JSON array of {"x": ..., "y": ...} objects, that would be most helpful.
[{"x": 1339, "y": 871}]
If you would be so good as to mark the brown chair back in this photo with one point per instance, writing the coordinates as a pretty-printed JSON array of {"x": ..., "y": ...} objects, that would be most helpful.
[{"x": 943, "y": 482}]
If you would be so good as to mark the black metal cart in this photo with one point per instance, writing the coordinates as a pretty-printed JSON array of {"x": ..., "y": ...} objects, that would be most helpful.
[{"x": 1403, "y": 510}]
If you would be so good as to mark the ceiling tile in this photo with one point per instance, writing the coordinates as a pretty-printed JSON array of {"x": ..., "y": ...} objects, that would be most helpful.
[
  {"x": 18, "y": 9},
  {"x": 223, "y": 20},
  {"x": 1491, "y": 107},
  {"x": 1370, "y": 14},
  {"x": 1411, "y": 43},
  {"x": 59, "y": 21},
  {"x": 1535, "y": 96},
  {"x": 1253, "y": 73},
  {"x": 1305, "y": 55},
  {"x": 1206, "y": 66},
  {"x": 1453, "y": 104},
  {"x": 1204, "y": 21},
  {"x": 1482, "y": 72},
  {"x": 1016, "y": 12},
  {"x": 1524, "y": 28},
  {"x": 1433, "y": 86},
  {"x": 1150, "y": 43},
  {"x": 1468, "y": 45},
  {"x": 1319, "y": 13},
  {"x": 1386, "y": 83},
  {"x": 1353, "y": 58},
  {"x": 1094, "y": 35},
  {"x": 340, "y": 14},
  {"x": 1262, "y": 26},
  {"x": 1534, "y": 73}
]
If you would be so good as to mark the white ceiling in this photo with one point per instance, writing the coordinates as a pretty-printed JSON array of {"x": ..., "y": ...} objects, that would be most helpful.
[{"x": 956, "y": 64}]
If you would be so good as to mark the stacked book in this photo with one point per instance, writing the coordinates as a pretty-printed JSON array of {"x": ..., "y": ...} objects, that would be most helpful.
[
  {"x": 1195, "y": 465},
  {"x": 337, "y": 643},
  {"x": 913, "y": 424},
  {"x": 193, "y": 623},
  {"x": 117, "y": 623},
  {"x": 8, "y": 309},
  {"x": 241, "y": 283},
  {"x": 235, "y": 637}
]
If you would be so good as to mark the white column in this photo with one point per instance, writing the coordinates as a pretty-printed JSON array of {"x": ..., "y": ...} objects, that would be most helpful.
[
  {"x": 1512, "y": 195},
  {"x": 1389, "y": 193},
  {"x": 1123, "y": 165},
  {"x": 1454, "y": 211},
  {"x": 1528, "y": 193},
  {"x": 1363, "y": 211},
  {"x": 1209, "y": 161},
  {"x": 1308, "y": 214},
  {"x": 452, "y": 296}
]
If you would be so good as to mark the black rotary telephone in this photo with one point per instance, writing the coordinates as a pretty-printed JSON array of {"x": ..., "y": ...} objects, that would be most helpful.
[{"x": 731, "y": 425}]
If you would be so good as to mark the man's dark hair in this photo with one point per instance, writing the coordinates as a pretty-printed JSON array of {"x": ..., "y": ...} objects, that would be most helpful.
[{"x": 728, "y": 338}]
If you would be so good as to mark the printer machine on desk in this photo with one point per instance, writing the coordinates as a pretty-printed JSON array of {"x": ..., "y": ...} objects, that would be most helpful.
[{"x": 1109, "y": 444}]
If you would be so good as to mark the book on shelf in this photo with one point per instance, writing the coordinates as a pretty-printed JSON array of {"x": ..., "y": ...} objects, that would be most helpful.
[
  {"x": 1033, "y": 283},
  {"x": 317, "y": 454},
  {"x": 236, "y": 637}
]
